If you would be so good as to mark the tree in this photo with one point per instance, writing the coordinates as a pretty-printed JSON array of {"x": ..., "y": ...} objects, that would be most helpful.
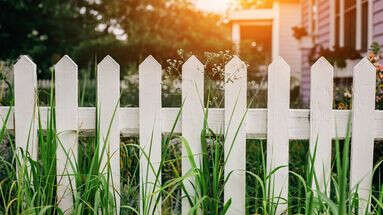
[
  {"x": 86, "y": 30},
  {"x": 44, "y": 29},
  {"x": 161, "y": 27}
]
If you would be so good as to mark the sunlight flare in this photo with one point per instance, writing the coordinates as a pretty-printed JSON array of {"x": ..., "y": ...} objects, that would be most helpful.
[{"x": 214, "y": 5}]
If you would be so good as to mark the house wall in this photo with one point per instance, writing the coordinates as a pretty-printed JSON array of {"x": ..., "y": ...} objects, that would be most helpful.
[
  {"x": 305, "y": 14},
  {"x": 323, "y": 35},
  {"x": 323, "y": 32},
  {"x": 288, "y": 45},
  {"x": 304, "y": 88},
  {"x": 322, "y": 38},
  {"x": 378, "y": 21},
  {"x": 305, "y": 52}
]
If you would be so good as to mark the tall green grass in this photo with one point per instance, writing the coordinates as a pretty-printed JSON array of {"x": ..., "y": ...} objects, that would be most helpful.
[
  {"x": 30, "y": 184},
  {"x": 208, "y": 169}
]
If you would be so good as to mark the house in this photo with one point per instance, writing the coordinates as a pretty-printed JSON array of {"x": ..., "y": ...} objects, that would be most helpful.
[
  {"x": 352, "y": 24},
  {"x": 269, "y": 27}
]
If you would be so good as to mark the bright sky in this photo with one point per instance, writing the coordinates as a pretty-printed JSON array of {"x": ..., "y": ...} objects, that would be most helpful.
[{"x": 214, "y": 5}]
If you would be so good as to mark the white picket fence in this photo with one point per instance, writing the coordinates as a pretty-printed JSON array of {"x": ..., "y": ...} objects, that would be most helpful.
[{"x": 278, "y": 123}]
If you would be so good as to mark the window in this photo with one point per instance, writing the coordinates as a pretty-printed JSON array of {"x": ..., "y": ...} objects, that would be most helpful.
[
  {"x": 337, "y": 22},
  {"x": 313, "y": 16},
  {"x": 350, "y": 24},
  {"x": 348, "y": 14},
  {"x": 364, "y": 25}
]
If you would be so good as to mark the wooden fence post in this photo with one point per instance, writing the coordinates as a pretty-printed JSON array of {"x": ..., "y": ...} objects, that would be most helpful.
[
  {"x": 235, "y": 143},
  {"x": 278, "y": 110},
  {"x": 362, "y": 146},
  {"x": 192, "y": 117},
  {"x": 150, "y": 133},
  {"x": 108, "y": 101},
  {"x": 321, "y": 123},
  {"x": 26, "y": 106},
  {"x": 66, "y": 86}
]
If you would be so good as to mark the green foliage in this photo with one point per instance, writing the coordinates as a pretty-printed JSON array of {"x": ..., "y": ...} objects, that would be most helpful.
[
  {"x": 29, "y": 186},
  {"x": 207, "y": 172},
  {"x": 299, "y": 32},
  {"x": 44, "y": 29},
  {"x": 127, "y": 29}
]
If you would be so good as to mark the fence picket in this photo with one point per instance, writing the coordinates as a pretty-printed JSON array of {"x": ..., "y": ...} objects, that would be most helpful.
[
  {"x": 150, "y": 132},
  {"x": 362, "y": 146},
  {"x": 235, "y": 143},
  {"x": 192, "y": 116},
  {"x": 66, "y": 86},
  {"x": 278, "y": 105},
  {"x": 321, "y": 123},
  {"x": 26, "y": 125},
  {"x": 108, "y": 96}
]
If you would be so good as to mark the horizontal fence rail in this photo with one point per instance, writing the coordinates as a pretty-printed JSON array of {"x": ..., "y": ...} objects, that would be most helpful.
[
  {"x": 278, "y": 124},
  {"x": 256, "y": 126}
]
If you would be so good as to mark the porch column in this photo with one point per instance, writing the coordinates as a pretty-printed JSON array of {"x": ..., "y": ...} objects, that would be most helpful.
[
  {"x": 275, "y": 34},
  {"x": 332, "y": 24},
  {"x": 370, "y": 21},
  {"x": 358, "y": 25},
  {"x": 236, "y": 36},
  {"x": 341, "y": 24}
]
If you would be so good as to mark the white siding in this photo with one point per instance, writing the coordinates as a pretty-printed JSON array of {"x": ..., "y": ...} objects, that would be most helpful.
[
  {"x": 323, "y": 37},
  {"x": 289, "y": 46}
]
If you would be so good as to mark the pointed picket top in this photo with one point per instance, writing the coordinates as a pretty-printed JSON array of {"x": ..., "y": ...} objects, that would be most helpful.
[
  {"x": 235, "y": 69},
  {"x": 192, "y": 117},
  {"x": 322, "y": 65},
  {"x": 193, "y": 62},
  {"x": 192, "y": 70},
  {"x": 235, "y": 107},
  {"x": 150, "y": 126},
  {"x": 321, "y": 125},
  {"x": 322, "y": 74},
  {"x": 234, "y": 62},
  {"x": 66, "y": 92},
  {"x": 108, "y": 63},
  {"x": 365, "y": 66},
  {"x": 150, "y": 62},
  {"x": 279, "y": 64},
  {"x": 108, "y": 94},
  {"x": 278, "y": 102},
  {"x": 362, "y": 143},
  {"x": 66, "y": 64},
  {"x": 24, "y": 64},
  {"x": 25, "y": 81}
]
